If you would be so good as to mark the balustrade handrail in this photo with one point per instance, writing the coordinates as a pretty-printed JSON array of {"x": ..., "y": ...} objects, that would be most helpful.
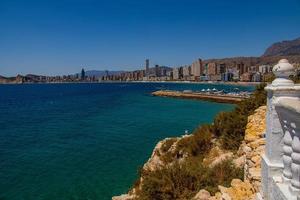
[{"x": 283, "y": 135}]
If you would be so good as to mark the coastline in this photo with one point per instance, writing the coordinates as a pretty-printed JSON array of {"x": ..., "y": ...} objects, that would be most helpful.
[
  {"x": 239, "y": 83},
  {"x": 174, "y": 82}
]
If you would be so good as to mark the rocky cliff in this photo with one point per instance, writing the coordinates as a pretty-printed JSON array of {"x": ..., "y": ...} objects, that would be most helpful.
[
  {"x": 284, "y": 48},
  {"x": 247, "y": 157}
]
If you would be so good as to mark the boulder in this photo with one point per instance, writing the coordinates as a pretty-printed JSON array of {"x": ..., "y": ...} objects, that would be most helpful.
[
  {"x": 202, "y": 195},
  {"x": 257, "y": 143},
  {"x": 240, "y": 161},
  {"x": 254, "y": 173}
]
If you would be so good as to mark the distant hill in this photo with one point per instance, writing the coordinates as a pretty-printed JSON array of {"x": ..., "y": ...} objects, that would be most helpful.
[
  {"x": 251, "y": 61},
  {"x": 284, "y": 48}
]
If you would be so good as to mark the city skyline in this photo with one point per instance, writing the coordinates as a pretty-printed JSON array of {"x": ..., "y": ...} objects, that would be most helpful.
[{"x": 61, "y": 37}]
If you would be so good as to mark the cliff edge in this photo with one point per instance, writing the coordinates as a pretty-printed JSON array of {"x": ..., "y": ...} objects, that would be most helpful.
[{"x": 247, "y": 158}]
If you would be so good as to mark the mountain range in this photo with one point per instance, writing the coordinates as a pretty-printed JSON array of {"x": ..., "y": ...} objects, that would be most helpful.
[{"x": 284, "y": 48}]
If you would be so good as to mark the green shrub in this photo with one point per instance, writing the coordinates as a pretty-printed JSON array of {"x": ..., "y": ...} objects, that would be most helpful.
[
  {"x": 230, "y": 126},
  {"x": 198, "y": 143},
  {"x": 183, "y": 181},
  {"x": 221, "y": 174}
]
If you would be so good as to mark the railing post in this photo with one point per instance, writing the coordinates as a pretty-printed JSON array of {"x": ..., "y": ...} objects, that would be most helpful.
[{"x": 277, "y": 158}]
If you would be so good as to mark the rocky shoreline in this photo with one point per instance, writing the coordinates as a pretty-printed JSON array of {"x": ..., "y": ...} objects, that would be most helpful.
[{"x": 247, "y": 157}]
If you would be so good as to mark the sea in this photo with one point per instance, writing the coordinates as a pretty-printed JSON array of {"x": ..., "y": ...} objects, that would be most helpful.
[{"x": 87, "y": 141}]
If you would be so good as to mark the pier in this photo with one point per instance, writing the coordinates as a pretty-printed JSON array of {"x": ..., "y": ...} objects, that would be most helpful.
[{"x": 215, "y": 97}]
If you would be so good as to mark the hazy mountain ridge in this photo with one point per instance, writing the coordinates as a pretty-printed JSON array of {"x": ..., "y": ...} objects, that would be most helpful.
[{"x": 284, "y": 48}]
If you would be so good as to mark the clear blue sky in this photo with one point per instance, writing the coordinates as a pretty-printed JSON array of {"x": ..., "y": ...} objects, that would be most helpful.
[{"x": 62, "y": 36}]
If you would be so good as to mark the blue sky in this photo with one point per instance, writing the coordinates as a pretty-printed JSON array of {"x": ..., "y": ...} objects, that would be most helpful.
[{"x": 61, "y": 36}]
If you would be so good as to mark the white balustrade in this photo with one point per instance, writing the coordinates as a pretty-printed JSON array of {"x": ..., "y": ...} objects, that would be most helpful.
[
  {"x": 281, "y": 161},
  {"x": 282, "y": 154}
]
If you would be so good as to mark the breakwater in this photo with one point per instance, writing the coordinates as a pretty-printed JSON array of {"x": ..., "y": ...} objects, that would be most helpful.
[{"x": 220, "y": 98}]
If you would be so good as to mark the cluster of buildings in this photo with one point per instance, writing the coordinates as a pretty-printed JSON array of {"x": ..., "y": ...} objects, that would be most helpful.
[
  {"x": 197, "y": 71},
  {"x": 31, "y": 78},
  {"x": 213, "y": 71},
  {"x": 156, "y": 73}
]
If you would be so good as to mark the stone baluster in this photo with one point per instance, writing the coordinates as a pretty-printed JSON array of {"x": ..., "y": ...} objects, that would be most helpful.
[
  {"x": 295, "y": 183},
  {"x": 287, "y": 153},
  {"x": 288, "y": 109}
]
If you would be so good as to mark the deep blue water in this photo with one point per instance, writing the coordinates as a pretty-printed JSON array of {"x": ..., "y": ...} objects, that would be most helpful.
[{"x": 86, "y": 141}]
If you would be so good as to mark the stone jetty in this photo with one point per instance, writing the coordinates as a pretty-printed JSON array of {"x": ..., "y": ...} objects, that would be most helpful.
[{"x": 220, "y": 98}]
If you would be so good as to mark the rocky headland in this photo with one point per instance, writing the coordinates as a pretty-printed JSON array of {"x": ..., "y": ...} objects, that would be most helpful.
[{"x": 247, "y": 158}]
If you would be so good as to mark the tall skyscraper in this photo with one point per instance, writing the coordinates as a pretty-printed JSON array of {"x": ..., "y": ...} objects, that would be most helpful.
[
  {"x": 82, "y": 74},
  {"x": 147, "y": 67}
]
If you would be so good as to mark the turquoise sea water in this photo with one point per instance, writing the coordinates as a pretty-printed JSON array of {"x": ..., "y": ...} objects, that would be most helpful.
[{"x": 86, "y": 141}]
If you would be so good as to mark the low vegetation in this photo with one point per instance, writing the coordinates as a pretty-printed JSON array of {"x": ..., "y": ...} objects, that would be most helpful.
[
  {"x": 230, "y": 127},
  {"x": 184, "y": 180}
]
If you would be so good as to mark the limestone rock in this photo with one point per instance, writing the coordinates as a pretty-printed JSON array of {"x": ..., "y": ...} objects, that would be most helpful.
[
  {"x": 123, "y": 197},
  {"x": 202, "y": 195},
  {"x": 256, "y": 126},
  {"x": 155, "y": 161},
  {"x": 239, "y": 190},
  {"x": 254, "y": 140},
  {"x": 257, "y": 143},
  {"x": 240, "y": 161},
  {"x": 246, "y": 149},
  {"x": 255, "y": 173}
]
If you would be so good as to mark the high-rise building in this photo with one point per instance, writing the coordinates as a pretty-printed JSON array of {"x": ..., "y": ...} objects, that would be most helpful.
[
  {"x": 221, "y": 68},
  {"x": 186, "y": 72},
  {"x": 197, "y": 68},
  {"x": 241, "y": 68},
  {"x": 176, "y": 73},
  {"x": 82, "y": 74},
  {"x": 163, "y": 72},
  {"x": 147, "y": 67},
  {"x": 211, "y": 68},
  {"x": 157, "y": 71}
]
